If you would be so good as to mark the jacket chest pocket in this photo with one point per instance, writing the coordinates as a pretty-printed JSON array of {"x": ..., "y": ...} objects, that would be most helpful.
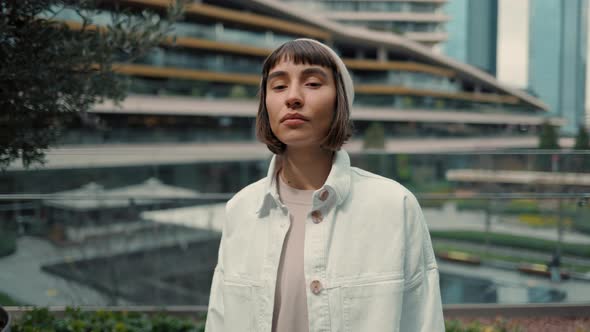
[
  {"x": 372, "y": 306},
  {"x": 239, "y": 303}
]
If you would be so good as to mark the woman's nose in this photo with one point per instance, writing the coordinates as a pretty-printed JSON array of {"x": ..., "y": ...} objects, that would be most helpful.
[{"x": 294, "y": 98}]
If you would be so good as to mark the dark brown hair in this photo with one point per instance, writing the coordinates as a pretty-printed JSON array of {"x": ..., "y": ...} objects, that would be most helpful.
[{"x": 309, "y": 53}]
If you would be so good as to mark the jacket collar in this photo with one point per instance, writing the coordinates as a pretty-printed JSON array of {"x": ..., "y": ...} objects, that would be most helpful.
[{"x": 338, "y": 182}]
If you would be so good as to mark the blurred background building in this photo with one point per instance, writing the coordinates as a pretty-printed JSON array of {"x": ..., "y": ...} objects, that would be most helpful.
[
  {"x": 558, "y": 37},
  {"x": 424, "y": 80},
  {"x": 203, "y": 90},
  {"x": 473, "y": 33}
]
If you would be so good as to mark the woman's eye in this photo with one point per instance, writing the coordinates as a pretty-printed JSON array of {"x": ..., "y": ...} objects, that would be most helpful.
[
  {"x": 314, "y": 84},
  {"x": 279, "y": 87}
]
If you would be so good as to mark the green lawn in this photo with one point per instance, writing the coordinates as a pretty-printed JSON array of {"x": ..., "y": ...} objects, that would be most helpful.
[
  {"x": 514, "y": 241},
  {"x": 491, "y": 256}
]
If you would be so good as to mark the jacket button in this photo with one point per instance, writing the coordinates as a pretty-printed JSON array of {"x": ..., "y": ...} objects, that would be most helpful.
[
  {"x": 316, "y": 216},
  {"x": 316, "y": 287},
  {"x": 324, "y": 195}
]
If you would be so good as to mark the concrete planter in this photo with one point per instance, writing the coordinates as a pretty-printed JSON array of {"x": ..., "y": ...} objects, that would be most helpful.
[{"x": 4, "y": 320}]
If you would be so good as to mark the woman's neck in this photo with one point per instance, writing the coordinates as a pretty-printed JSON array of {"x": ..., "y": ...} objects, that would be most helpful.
[{"x": 306, "y": 169}]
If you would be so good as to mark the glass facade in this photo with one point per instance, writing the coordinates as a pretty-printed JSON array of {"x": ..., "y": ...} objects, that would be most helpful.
[
  {"x": 456, "y": 45},
  {"x": 396, "y": 27},
  {"x": 473, "y": 32},
  {"x": 557, "y": 59},
  {"x": 369, "y": 6},
  {"x": 401, "y": 25},
  {"x": 482, "y": 35}
]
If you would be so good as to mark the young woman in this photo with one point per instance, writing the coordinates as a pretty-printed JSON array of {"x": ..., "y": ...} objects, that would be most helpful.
[{"x": 319, "y": 245}]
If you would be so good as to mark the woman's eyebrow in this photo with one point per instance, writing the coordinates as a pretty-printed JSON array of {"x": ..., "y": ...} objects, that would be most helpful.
[
  {"x": 314, "y": 71},
  {"x": 305, "y": 72},
  {"x": 276, "y": 74}
]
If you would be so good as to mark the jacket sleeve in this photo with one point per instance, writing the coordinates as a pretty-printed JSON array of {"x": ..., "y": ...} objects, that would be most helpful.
[
  {"x": 422, "y": 307},
  {"x": 215, "y": 312}
]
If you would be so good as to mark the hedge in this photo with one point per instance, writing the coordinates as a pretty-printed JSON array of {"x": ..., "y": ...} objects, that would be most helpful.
[{"x": 76, "y": 320}]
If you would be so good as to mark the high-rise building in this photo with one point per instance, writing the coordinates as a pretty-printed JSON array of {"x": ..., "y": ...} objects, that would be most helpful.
[
  {"x": 558, "y": 54},
  {"x": 420, "y": 21},
  {"x": 473, "y": 33}
]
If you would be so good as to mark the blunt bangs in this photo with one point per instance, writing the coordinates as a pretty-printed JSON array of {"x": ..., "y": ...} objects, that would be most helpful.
[{"x": 300, "y": 53}]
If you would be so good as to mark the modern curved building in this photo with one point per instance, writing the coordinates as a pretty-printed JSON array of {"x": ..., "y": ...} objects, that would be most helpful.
[{"x": 203, "y": 88}]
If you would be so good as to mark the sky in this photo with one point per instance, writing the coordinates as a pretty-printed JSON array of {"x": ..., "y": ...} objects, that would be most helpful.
[{"x": 513, "y": 26}]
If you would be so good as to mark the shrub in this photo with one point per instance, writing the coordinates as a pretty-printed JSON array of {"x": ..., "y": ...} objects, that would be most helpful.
[
  {"x": 7, "y": 242},
  {"x": 6, "y": 300},
  {"x": 374, "y": 136},
  {"x": 582, "y": 226},
  {"x": 74, "y": 320}
]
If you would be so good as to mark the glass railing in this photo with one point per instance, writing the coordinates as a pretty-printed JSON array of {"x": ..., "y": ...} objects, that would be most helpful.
[
  {"x": 423, "y": 7},
  {"x": 223, "y": 33},
  {"x": 147, "y": 233},
  {"x": 406, "y": 101},
  {"x": 406, "y": 79},
  {"x": 190, "y": 88},
  {"x": 162, "y": 128},
  {"x": 396, "y": 27},
  {"x": 245, "y": 65},
  {"x": 208, "y": 61}
]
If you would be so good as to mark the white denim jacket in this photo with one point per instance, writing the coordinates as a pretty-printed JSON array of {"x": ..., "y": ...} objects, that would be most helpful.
[{"x": 369, "y": 263}]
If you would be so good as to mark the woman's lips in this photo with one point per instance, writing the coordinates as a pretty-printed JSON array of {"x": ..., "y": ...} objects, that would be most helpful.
[{"x": 294, "y": 122}]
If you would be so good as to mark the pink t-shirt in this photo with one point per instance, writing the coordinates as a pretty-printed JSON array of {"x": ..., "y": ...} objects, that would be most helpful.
[{"x": 290, "y": 307}]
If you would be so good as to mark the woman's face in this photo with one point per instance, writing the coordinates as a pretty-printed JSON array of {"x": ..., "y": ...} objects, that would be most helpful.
[{"x": 300, "y": 100}]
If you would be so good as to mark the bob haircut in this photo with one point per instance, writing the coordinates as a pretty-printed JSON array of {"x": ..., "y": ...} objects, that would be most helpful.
[{"x": 309, "y": 53}]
